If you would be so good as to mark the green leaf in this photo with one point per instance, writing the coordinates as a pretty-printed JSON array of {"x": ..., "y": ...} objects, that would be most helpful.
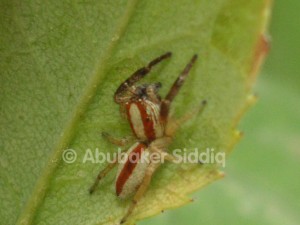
[{"x": 61, "y": 62}]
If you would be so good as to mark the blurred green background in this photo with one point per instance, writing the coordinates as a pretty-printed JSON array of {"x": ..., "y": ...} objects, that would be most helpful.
[{"x": 262, "y": 182}]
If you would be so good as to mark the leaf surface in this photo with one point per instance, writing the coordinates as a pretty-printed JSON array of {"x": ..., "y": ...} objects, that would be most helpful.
[{"x": 61, "y": 63}]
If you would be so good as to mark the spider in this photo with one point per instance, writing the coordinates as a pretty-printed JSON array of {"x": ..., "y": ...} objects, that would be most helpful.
[{"x": 153, "y": 129}]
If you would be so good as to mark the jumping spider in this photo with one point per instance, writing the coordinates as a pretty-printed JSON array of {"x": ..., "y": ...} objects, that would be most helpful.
[{"x": 152, "y": 127}]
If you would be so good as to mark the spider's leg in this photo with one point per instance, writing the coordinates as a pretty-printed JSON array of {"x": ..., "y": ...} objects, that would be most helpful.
[
  {"x": 117, "y": 141},
  {"x": 102, "y": 174},
  {"x": 141, "y": 190},
  {"x": 160, "y": 146},
  {"x": 165, "y": 104},
  {"x": 174, "y": 124},
  {"x": 137, "y": 75},
  {"x": 164, "y": 155}
]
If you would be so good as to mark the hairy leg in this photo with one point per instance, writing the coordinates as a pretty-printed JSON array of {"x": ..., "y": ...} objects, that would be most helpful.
[
  {"x": 137, "y": 75},
  {"x": 117, "y": 141},
  {"x": 173, "y": 125},
  {"x": 166, "y": 103},
  {"x": 142, "y": 189},
  {"x": 102, "y": 174}
]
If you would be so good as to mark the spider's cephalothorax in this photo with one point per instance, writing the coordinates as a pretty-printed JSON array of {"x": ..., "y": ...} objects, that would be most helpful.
[
  {"x": 144, "y": 109},
  {"x": 148, "y": 115},
  {"x": 141, "y": 103},
  {"x": 143, "y": 112}
]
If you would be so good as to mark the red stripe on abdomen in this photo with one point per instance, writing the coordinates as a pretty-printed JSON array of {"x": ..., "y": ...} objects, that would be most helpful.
[{"x": 132, "y": 160}]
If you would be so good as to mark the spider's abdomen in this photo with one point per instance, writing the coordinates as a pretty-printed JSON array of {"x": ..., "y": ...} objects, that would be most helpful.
[
  {"x": 144, "y": 118},
  {"x": 132, "y": 169}
]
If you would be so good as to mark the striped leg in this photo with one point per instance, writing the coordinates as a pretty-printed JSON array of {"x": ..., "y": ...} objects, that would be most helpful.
[
  {"x": 166, "y": 103},
  {"x": 142, "y": 189}
]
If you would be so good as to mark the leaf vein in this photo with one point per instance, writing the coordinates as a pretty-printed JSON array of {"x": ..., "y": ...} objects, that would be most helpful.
[{"x": 40, "y": 190}]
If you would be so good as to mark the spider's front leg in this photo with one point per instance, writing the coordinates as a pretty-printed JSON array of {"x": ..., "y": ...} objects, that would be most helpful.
[
  {"x": 166, "y": 102},
  {"x": 135, "y": 77},
  {"x": 142, "y": 189}
]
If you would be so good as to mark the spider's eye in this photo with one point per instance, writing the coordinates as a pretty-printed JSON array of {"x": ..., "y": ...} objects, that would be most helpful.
[{"x": 158, "y": 85}]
